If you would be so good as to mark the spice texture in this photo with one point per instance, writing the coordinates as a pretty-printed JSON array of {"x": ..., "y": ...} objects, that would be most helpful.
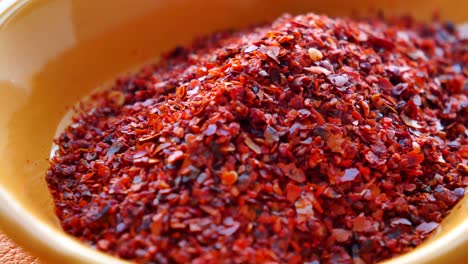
[{"x": 310, "y": 139}]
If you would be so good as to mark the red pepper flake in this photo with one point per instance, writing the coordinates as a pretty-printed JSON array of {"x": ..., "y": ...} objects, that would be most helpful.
[
  {"x": 304, "y": 208},
  {"x": 401, "y": 221},
  {"x": 362, "y": 224},
  {"x": 338, "y": 80},
  {"x": 271, "y": 52},
  {"x": 250, "y": 48},
  {"x": 229, "y": 231},
  {"x": 210, "y": 130},
  {"x": 253, "y": 146},
  {"x": 371, "y": 157},
  {"x": 293, "y": 172},
  {"x": 175, "y": 156},
  {"x": 413, "y": 158},
  {"x": 317, "y": 70},
  {"x": 228, "y": 177},
  {"x": 426, "y": 227},
  {"x": 308, "y": 140},
  {"x": 341, "y": 235},
  {"x": 103, "y": 171},
  {"x": 410, "y": 122},
  {"x": 381, "y": 42},
  {"x": 334, "y": 142},
  {"x": 293, "y": 192},
  {"x": 385, "y": 84},
  {"x": 350, "y": 175}
]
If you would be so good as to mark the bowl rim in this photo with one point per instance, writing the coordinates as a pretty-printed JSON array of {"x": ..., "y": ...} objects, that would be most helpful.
[
  {"x": 28, "y": 231},
  {"x": 52, "y": 245}
]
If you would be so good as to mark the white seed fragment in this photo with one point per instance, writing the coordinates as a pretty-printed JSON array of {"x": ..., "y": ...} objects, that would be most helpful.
[{"x": 315, "y": 54}]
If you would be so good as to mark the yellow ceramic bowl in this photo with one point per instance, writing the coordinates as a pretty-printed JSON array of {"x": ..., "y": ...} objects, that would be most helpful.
[{"x": 53, "y": 52}]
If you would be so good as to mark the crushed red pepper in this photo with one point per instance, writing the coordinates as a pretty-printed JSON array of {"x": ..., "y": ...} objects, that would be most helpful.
[{"x": 310, "y": 139}]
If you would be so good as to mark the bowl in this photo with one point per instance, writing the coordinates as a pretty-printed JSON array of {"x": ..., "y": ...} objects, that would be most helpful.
[{"x": 53, "y": 52}]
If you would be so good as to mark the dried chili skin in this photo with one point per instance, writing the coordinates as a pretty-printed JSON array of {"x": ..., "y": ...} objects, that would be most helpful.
[{"x": 307, "y": 140}]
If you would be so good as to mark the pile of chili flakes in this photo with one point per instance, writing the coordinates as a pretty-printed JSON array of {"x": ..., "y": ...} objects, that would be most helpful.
[{"x": 310, "y": 139}]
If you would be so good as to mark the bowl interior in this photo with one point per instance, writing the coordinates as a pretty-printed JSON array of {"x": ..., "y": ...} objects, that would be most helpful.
[{"x": 53, "y": 52}]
